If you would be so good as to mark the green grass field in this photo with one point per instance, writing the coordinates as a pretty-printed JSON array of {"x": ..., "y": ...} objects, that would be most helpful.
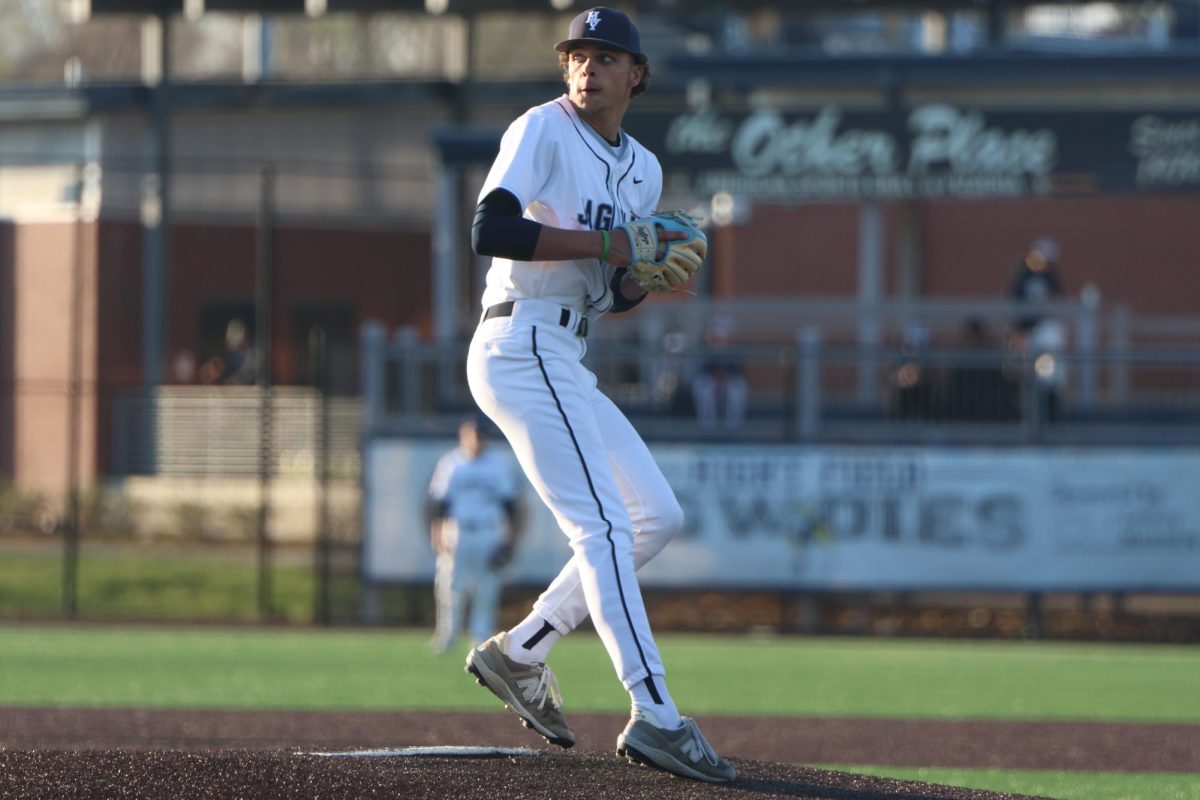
[
  {"x": 355, "y": 669},
  {"x": 1068, "y": 785},
  {"x": 198, "y": 583}
]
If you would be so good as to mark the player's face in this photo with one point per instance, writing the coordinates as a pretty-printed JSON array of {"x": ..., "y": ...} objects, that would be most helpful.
[
  {"x": 470, "y": 440},
  {"x": 600, "y": 78}
]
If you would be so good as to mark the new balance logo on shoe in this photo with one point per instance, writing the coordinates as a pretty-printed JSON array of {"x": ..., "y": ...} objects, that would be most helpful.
[
  {"x": 529, "y": 688},
  {"x": 691, "y": 748}
]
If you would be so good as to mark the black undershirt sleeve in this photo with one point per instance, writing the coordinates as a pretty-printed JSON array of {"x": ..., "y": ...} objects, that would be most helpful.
[
  {"x": 620, "y": 303},
  {"x": 500, "y": 230}
]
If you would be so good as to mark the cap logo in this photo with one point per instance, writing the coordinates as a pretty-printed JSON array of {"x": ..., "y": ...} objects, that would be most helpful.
[{"x": 593, "y": 19}]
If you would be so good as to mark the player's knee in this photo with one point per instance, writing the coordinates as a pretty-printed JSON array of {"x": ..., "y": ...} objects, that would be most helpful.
[
  {"x": 660, "y": 528},
  {"x": 671, "y": 518}
]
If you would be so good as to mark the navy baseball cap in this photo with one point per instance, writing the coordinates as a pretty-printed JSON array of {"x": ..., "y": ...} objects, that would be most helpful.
[{"x": 604, "y": 26}]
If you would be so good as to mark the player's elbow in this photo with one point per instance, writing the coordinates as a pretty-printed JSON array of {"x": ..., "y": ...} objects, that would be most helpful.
[
  {"x": 486, "y": 229},
  {"x": 480, "y": 243},
  {"x": 500, "y": 230}
]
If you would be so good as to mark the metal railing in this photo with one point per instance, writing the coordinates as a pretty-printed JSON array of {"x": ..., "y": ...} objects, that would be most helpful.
[
  {"x": 809, "y": 389},
  {"x": 813, "y": 391}
]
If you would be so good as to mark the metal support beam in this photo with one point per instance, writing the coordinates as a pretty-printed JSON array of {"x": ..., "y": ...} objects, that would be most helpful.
[
  {"x": 870, "y": 295},
  {"x": 264, "y": 293},
  {"x": 808, "y": 382},
  {"x": 156, "y": 200},
  {"x": 445, "y": 255}
]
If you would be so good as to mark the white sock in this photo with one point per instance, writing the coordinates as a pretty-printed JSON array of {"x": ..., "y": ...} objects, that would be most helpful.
[
  {"x": 652, "y": 700},
  {"x": 530, "y": 641}
]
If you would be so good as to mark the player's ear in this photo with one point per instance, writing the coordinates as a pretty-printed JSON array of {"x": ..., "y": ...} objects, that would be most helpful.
[{"x": 636, "y": 74}]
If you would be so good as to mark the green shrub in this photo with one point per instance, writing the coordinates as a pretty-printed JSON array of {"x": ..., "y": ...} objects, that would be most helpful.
[
  {"x": 192, "y": 522},
  {"x": 21, "y": 511},
  {"x": 108, "y": 513}
]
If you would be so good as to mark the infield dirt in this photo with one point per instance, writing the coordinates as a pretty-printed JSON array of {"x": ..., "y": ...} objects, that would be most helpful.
[
  {"x": 258, "y": 775},
  {"x": 135, "y": 753}
]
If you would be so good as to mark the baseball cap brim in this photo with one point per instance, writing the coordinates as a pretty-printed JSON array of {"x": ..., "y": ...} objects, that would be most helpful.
[{"x": 566, "y": 44}]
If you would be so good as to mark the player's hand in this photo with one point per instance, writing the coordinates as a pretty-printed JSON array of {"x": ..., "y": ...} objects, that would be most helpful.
[
  {"x": 500, "y": 557},
  {"x": 621, "y": 252},
  {"x": 668, "y": 249}
]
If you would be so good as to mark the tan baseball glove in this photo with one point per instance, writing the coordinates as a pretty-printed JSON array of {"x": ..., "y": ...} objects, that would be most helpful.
[{"x": 665, "y": 265}]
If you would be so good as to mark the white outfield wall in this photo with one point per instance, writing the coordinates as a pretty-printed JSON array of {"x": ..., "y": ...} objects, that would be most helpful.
[{"x": 795, "y": 517}]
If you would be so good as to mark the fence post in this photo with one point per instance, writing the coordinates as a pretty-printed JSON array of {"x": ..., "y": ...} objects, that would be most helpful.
[
  {"x": 71, "y": 523},
  {"x": 1121, "y": 324},
  {"x": 1031, "y": 406},
  {"x": 651, "y": 328},
  {"x": 373, "y": 367},
  {"x": 318, "y": 351},
  {"x": 870, "y": 297},
  {"x": 263, "y": 302},
  {"x": 371, "y": 371},
  {"x": 1086, "y": 333},
  {"x": 808, "y": 382},
  {"x": 448, "y": 279},
  {"x": 408, "y": 340}
]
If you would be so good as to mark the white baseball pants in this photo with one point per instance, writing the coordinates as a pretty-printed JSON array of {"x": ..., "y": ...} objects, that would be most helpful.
[
  {"x": 590, "y": 467},
  {"x": 465, "y": 580}
]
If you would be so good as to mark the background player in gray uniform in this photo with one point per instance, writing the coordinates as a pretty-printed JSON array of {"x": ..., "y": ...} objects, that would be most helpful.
[
  {"x": 559, "y": 213},
  {"x": 473, "y": 527}
]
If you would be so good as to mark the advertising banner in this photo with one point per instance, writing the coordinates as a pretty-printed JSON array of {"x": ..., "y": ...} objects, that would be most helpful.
[
  {"x": 933, "y": 150},
  {"x": 794, "y": 517}
]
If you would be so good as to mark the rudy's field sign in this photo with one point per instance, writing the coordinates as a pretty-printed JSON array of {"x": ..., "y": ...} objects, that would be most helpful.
[
  {"x": 855, "y": 518},
  {"x": 933, "y": 150}
]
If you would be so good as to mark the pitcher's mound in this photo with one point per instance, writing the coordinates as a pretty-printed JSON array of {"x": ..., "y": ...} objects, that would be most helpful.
[{"x": 254, "y": 774}]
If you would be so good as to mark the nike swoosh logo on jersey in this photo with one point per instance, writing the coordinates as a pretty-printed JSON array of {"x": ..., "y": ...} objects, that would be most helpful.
[{"x": 637, "y": 180}]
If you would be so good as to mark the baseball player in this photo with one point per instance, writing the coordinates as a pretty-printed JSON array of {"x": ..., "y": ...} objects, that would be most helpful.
[
  {"x": 567, "y": 215},
  {"x": 472, "y": 493}
]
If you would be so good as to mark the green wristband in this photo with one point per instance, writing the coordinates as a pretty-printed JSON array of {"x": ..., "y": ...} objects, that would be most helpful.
[{"x": 607, "y": 245}]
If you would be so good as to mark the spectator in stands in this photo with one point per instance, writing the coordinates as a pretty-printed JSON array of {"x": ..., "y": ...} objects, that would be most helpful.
[
  {"x": 1045, "y": 348},
  {"x": 237, "y": 366},
  {"x": 719, "y": 389},
  {"x": 1041, "y": 340},
  {"x": 913, "y": 379},
  {"x": 1036, "y": 280}
]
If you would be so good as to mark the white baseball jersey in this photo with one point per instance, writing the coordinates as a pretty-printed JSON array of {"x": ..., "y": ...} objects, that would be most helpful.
[
  {"x": 566, "y": 175},
  {"x": 581, "y": 455},
  {"x": 474, "y": 489}
]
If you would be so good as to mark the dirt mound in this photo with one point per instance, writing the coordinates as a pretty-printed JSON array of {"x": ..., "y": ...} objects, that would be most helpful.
[
  {"x": 254, "y": 774},
  {"x": 996, "y": 744}
]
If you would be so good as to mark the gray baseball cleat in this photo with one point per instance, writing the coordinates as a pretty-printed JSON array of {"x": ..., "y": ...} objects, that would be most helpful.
[
  {"x": 528, "y": 689},
  {"x": 682, "y": 751}
]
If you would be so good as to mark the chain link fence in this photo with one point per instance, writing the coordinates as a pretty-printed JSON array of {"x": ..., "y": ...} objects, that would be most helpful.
[{"x": 219, "y": 503}]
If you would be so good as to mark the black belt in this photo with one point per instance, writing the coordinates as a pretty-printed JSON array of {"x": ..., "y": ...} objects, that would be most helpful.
[{"x": 564, "y": 319}]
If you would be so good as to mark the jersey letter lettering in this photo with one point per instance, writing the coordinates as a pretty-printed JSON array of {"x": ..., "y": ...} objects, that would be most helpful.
[
  {"x": 585, "y": 216},
  {"x": 604, "y": 217}
]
